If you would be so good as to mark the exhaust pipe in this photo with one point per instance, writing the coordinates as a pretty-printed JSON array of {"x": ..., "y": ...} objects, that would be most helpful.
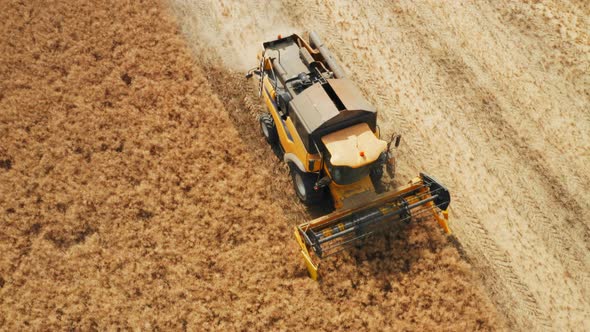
[{"x": 316, "y": 42}]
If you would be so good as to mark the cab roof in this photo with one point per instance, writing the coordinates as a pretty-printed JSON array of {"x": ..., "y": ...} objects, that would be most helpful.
[{"x": 355, "y": 146}]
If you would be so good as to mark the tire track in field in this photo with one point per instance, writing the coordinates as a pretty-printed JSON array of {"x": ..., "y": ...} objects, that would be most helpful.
[
  {"x": 491, "y": 121},
  {"x": 506, "y": 277},
  {"x": 511, "y": 142},
  {"x": 545, "y": 165}
]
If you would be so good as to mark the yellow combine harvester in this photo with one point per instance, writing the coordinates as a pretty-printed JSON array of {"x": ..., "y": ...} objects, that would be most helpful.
[{"x": 327, "y": 133}]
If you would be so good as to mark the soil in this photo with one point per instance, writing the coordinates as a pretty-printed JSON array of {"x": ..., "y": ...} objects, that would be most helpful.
[{"x": 136, "y": 191}]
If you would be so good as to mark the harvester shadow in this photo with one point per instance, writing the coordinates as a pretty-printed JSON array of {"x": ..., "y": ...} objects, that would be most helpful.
[{"x": 401, "y": 254}]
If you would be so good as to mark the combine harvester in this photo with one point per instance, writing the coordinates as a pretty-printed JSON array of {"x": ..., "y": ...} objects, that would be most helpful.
[{"x": 328, "y": 135}]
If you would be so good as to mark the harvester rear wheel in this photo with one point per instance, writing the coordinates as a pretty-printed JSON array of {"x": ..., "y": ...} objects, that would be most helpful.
[
  {"x": 268, "y": 128},
  {"x": 304, "y": 183}
]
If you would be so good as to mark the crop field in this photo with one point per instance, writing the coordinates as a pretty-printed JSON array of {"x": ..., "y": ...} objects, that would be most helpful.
[{"x": 136, "y": 190}]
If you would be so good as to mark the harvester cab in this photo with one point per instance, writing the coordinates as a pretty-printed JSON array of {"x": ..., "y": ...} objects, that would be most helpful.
[{"x": 327, "y": 133}]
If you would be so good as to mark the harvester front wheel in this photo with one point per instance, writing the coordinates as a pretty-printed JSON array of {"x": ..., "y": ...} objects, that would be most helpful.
[
  {"x": 268, "y": 128},
  {"x": 304, "y": 184},
  {"x": 376, "y": 175}
]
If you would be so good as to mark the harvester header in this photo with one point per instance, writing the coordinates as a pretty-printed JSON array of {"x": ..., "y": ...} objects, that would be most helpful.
[{"x": 331, "y": 233}]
